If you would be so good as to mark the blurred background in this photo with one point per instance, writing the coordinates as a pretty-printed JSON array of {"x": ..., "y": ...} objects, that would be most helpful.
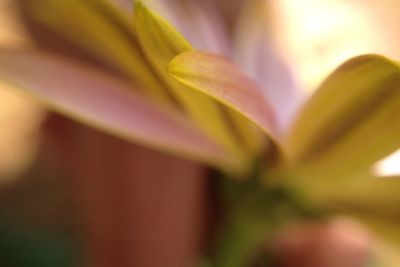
[
  {"x": 37, "y": 221},
  {"x": 40, "y": 223}
]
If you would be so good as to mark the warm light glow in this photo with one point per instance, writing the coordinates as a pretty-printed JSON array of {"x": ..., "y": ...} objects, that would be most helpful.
[
  {"x": 20, "y": 118},
  {"x": 317, "y": 35},
  {"x": 12, "y": 34},
  {"x": 390, "y": 166}
]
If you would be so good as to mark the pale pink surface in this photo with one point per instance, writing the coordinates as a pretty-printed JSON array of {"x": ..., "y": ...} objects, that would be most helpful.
[
  {"x": 338, "y": 243},
  {"x": 100, "y": 100},
  {"x": 133, "y": 221},
  {"x": 257, "y": 54},
  {"x": 221, "y": 79}
]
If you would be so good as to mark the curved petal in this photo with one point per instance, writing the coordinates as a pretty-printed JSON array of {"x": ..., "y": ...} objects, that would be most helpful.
[
  {"x": 351, "y": 122},
  {"x": 372, "y": 195},
  {"x": 97, "y": 99},
  {"x": 161, "y": 43},
  {"x": 222, "y": 80},
  {"x": 93, "y": 29}
]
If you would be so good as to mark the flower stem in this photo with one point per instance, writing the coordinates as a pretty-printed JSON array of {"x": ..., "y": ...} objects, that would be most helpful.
[
  {"x": 238, "y": 245},
  {"x": 253, "y": 215}
]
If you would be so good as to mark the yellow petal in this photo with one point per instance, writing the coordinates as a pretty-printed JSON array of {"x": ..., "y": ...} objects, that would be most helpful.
[
  {"x": 375, "y": 196},
  {"x": 161, "y": 43},
  {"x": 99, "y": 100},
  {"x": 351, "y": 122},
  {"x": 96, "y": 28},
  {"x": 220, "y": 79}
]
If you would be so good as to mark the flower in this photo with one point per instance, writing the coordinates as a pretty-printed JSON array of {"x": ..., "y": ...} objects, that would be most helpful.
[{"x": 141, "y": 80}]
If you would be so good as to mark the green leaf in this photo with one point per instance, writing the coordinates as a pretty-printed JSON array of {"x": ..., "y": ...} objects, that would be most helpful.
[
  {"x": 99, "y": 100},
  {"x": 351, "y": 122}
]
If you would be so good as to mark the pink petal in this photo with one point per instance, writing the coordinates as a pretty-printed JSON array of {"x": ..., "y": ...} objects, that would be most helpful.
[
  {"x": 97, "y": 99},
  {"x": 222, "y": 80},
  {"x": 200, "y": 23},
  {"x": 261, "y": 60}
]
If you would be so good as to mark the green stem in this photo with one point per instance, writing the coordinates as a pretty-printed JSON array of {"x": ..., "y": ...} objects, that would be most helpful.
[
  {"x": 254, "y": 215},
  {"x": 239, "y": 243}
]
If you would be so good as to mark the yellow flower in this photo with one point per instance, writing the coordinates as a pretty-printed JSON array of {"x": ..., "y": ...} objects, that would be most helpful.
[{"x": 138, "y": 78}]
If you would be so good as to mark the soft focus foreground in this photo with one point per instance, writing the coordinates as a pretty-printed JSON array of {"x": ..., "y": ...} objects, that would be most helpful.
[
  {"x": 106, "y": 202},
  {"x": 19, "y": 117}
]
